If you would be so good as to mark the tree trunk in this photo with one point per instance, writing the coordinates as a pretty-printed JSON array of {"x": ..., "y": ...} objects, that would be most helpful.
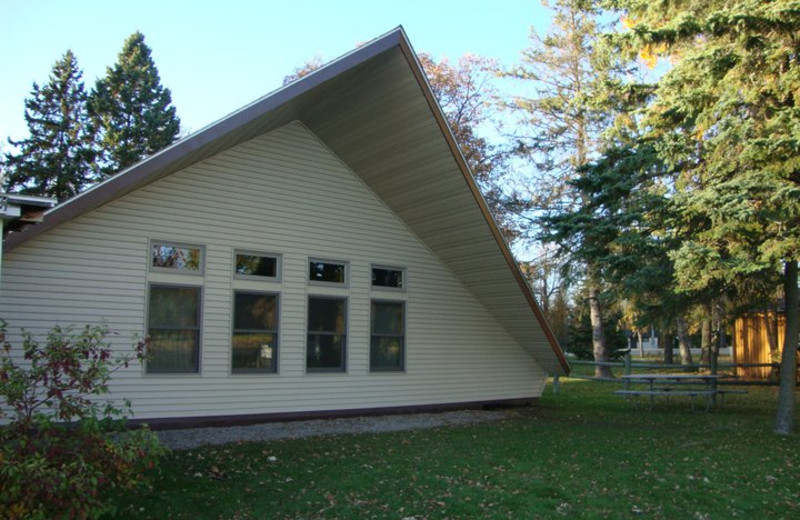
[
  {"x": 771, "y": 326},
  {"x": 641, "y": 345},
  {"x": 684, "y": 341},
  {"x": 668, "y": 339},
  {"x": 598, "y": 336},
  {"x": 705, "y": 335},
  {"x": 784, "y": 416}
]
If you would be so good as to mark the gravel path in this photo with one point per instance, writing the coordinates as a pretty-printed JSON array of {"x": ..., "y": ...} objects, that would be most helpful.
[{"x": 195, "y": 437}]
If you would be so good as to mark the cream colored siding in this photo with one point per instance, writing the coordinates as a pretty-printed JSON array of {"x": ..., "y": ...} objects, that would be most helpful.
[{"x": 284, "y": 193}]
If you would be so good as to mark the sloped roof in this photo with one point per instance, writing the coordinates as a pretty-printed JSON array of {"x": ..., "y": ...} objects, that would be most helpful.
[{"x": 374, "y": 108}]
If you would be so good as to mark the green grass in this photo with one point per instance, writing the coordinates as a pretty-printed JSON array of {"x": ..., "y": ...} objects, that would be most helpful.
[{"x": 583, "y": 453}]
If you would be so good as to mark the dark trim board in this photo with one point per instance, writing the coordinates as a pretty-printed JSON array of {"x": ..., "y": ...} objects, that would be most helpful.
[{"x": 178, "y": 423}]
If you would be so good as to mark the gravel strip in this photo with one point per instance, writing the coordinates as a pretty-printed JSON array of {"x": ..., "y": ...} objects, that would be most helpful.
[{"x": 195, "y": 437}]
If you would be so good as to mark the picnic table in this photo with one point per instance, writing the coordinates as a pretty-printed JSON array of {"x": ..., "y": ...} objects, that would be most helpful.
[{"x": 668, "y": 385}]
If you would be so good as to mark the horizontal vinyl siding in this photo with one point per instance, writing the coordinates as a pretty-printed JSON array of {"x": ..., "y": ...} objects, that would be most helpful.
[{"x": 280, "y": 193}]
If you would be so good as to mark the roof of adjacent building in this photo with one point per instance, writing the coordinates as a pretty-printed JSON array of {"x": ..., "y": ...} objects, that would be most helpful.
[{"x": 374, "y": 108}]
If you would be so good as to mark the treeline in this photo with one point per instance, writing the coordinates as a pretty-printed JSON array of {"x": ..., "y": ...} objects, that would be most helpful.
[
  {"x": 77, "y": 137},
  {"x": 664, "y": 144}
]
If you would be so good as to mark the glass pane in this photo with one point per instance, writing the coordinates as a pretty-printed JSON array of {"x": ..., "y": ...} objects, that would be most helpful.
[
  {"x": 327, "y": 315},
  {"x": 326, "y": 272},
  {"x": 254, "y": 352},
  {"x": 325, "y": 351},
  {"x": 255, "y": 311},
  {"x": 387, "y": 318},
  {"x": 386, "y": 353},
  {"x": 172, "y": 351},
  {"x": 387, "y": 277},
  {"x": 174, "y": 307},
  {"x": 182, "y": 258},
  {"x": 256, "y": 265}
]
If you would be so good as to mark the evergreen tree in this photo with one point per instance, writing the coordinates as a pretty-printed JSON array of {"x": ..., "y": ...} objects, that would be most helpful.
[
  {"x": 57, "y": 159},
  {"x": 132, "y": 111},
  {"x": 563, "y": 124},
  {"x": 726, "y": 121}
]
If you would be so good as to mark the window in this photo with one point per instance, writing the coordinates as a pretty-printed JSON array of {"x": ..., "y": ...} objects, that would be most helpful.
[
  {"x": 387, "y": 339},
  {"x": 256, "y": 265},
  {"x": 388, "y": 277},
  {"x": 174, "y": 328},
  {"x": 176, "y": 258},
  {"x": 327, "y": 272},
  {"x": 327, "y": 334},
  {"x": 255, "y": 332}
]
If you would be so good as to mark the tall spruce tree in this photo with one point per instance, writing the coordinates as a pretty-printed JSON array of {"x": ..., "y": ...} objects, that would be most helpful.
[
  {"x": 132, "y": 111},
  {"x": 562, "y": 125},
  {"x": 57, "y": 159},
  {"x": 726, "y": 119}
]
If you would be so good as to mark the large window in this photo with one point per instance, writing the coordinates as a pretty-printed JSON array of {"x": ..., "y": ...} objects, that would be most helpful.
[
  {"x": 255, "y": 332},
  {"x": 174, "y": 329},
  {"x": 387, "y": 336},
  {"x": 327, "y": 334}
]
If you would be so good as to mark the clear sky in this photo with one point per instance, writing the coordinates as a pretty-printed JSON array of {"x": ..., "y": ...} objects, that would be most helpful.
[{"x": 217, "y": 56}]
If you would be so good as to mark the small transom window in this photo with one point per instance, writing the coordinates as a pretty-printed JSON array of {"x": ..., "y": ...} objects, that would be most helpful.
[
  {"x": 329, "y": 272},
  {"x": 176, "y": 257},
  {"x": 388, "y": 277},
  {"x": 257, "y": 265}
]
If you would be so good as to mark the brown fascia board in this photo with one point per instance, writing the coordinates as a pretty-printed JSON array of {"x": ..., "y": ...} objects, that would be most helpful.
[
  {"x": 201, "y": 142},
  {"x": 447, "y": 133}
]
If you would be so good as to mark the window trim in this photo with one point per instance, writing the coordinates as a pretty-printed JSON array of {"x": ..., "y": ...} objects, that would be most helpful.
[
  {"x": 276, "y": 354},
  {"x": 321, "y": 283},
  {"x": 254, "y": 277},
  {"x": 404, "y": 336},
  {"x": 385, "y": 267},
  {"x": 175, "y": 243},
  {"x": 346, "y": 348},
  {"x": 199, "y": 362}
]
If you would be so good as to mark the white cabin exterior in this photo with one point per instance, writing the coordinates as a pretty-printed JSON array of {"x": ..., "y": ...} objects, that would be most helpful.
[{"x": 280, "y": 191}]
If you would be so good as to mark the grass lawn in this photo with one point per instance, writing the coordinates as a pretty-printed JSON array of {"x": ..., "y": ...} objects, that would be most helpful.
[{"x": 583, "y": 453}]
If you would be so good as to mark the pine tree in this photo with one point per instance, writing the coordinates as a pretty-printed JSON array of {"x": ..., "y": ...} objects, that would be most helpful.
[
  {"x": 58, "y": 157},
  {"x": 725, "y": 119},
  {"x": 563, "y": 123},
  {"x": 132, "y": 111}
]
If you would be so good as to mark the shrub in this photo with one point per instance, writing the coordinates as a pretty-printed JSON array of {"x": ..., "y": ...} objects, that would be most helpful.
[{"x": 64, "y": 446}]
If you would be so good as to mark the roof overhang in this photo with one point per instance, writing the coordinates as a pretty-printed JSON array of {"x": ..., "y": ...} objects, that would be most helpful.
[
  {"x": 17, "y": 211},
  {"x": 374, "y": 108}
]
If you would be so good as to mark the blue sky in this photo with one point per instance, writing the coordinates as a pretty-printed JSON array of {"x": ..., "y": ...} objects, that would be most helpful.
[{"x": 217, "y": 56}]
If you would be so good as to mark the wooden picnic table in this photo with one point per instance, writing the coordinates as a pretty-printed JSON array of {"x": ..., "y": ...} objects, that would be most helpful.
[{"x": 691, "y": 385}]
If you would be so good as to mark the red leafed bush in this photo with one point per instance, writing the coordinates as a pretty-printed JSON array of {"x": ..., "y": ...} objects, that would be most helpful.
[{"x": 64, "y": 445}]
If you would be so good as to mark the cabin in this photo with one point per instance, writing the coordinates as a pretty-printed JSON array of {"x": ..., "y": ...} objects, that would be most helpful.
[
  {"x": 324, "y": 251},
  {"x": 758, "y": 339}
]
